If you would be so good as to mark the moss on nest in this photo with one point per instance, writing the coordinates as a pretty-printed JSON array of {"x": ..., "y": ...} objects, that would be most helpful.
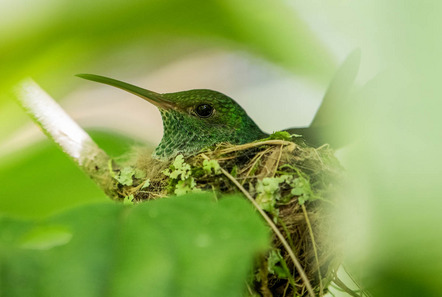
[{"x": 289, "y": 180}]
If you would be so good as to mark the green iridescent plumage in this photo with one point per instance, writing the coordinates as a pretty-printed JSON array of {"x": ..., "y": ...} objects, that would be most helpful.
[
  {"x": 194, "y": 119},
  {"x": 187, "y": 133}
]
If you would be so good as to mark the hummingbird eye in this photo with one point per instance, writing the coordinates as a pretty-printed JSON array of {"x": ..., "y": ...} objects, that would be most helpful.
[{"x": 204, "y": 110}]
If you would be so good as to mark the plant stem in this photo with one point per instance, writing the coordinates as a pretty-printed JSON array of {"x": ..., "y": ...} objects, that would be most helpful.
[{"x": 66, "y": 133}]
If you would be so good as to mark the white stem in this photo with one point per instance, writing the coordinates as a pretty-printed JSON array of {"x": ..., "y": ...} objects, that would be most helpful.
[
  {"x": 63, "y": 130},
  {"x": 54, "y": 121}
]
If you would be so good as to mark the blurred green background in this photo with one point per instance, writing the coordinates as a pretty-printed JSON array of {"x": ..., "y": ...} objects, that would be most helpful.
[{"x": 276, "y": 59}]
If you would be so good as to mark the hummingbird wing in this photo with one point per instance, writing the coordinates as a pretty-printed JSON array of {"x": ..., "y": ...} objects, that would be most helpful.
[{"x": 327, "y": 125}]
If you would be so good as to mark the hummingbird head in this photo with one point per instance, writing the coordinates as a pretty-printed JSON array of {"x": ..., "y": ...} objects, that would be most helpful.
[{"x": 194, "y": 119}]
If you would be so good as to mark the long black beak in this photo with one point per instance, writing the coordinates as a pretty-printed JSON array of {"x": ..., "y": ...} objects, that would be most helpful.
[{"x": 154, "y": 98}]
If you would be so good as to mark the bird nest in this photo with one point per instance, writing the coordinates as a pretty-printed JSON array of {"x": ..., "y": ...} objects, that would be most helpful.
[{"x": 291, "y": 185}]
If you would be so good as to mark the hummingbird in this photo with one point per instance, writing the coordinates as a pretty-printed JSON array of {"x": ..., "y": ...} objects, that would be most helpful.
[
  {"x": 193, "y": 119},
  {"x": 196, "y": 119}
]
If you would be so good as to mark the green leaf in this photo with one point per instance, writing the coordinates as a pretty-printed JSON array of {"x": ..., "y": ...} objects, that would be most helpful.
[
  {"x": 179, "y": 168},
  {"x": 268, "y": 192},
  {"x": 42, "y": 181},
  {"x": 128, "y": 200},
  {"x": 181, "y": 246},
  {"x": 46, "y": 237},
  {"x": 281, "y": 135},
  {"x": 186, "y": 186},
  {"x": 302, "y": 188},
  {"x": 234, "y": 171},
  {"x": 125, "y": 176},
  {"x": 146, "y": 184},
  {"x": 277, "y": 265},
  {"x": 210, "y": 166}
]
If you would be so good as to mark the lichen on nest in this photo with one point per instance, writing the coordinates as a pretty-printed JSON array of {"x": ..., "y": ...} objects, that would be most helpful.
[{"x": 290, "y": 182}]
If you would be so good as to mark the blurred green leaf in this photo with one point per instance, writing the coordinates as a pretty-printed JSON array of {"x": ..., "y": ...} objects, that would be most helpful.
[
  {"x": 46, "y": 237},
  {"x": 73, "y": 35},
  {"x": 183, "y": 246},
  {"x": 42, "y": 180}
]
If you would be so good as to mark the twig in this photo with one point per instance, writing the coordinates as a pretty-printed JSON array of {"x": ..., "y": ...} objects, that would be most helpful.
[
  {"x": 274, "y": 228},
  {"x": 362, "y": 290},
  {"x": 253, "y": 163},
  {"x": 65, "y": 132},
  {"x": 249, "y": 289},
  {"x": 315, "y": 250},
  {"x": 277, "y": 162},
  {"x": 346, "y": 289},
  {"x": 253, "y": 144}
]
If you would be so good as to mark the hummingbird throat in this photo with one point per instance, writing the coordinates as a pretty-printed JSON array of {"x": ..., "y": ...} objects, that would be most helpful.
[
  {"x": 187, "y": 135},
  {"x": 182, "y": 136}
]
